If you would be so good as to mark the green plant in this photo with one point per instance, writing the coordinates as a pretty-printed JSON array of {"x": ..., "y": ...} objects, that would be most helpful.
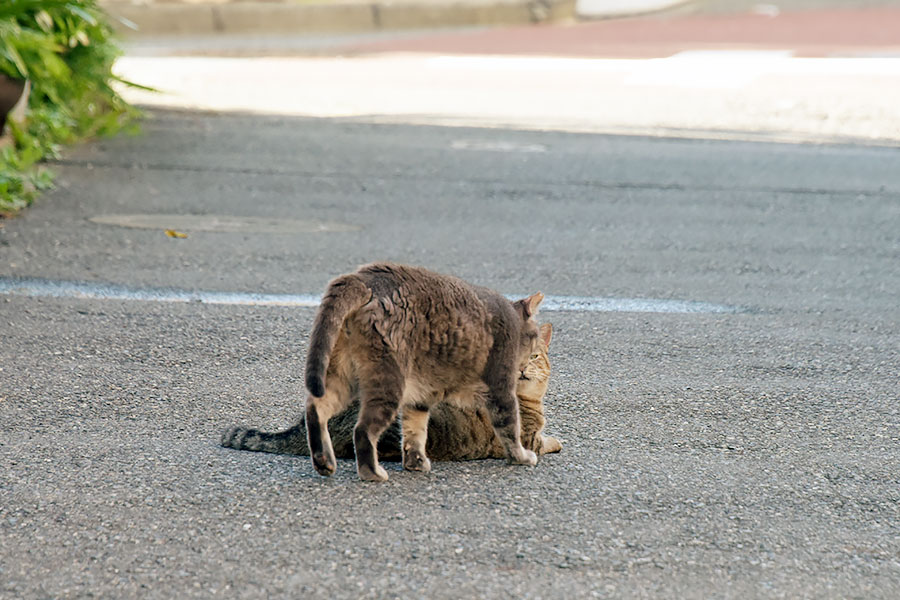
[{"x": 66, "y": 48}]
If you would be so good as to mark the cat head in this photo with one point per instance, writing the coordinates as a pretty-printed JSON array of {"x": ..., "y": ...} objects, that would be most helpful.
[
  {"x": 529, "y": 334},
  {"x": 535, "y": 376}
]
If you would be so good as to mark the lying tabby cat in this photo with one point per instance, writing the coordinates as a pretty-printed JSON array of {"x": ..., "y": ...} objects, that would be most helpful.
[{"x": 458, "y": 429}]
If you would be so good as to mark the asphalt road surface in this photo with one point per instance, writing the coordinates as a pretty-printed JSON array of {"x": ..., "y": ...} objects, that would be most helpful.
[{"x": 748, "y": 453}]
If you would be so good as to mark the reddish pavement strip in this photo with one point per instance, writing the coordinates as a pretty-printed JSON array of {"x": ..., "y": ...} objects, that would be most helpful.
[{"x": 816, "y": 33}]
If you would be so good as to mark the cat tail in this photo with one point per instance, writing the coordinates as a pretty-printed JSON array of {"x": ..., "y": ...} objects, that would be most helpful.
[
  {"x": 289, "y": 441},
  {"x": 344, "y": 295}
]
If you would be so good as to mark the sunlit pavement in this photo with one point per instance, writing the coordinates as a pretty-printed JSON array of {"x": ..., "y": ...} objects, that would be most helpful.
[
  {"x": 730, "y": 95},
  {"x": 787, "y": 78}
]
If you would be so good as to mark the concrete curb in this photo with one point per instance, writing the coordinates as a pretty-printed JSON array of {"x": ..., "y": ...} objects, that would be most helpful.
[
  {"x": 207, "y": 18},
  {"x": 611, "y": 9}
]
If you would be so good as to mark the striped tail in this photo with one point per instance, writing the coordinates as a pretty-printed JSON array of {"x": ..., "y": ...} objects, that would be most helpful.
[
  {"x": 293, "y": 439},
  {"x": 344, "y": 295},
  {"x": 289, "y": 441}
]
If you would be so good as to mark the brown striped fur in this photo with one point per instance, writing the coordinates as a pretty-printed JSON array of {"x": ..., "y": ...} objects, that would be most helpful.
[
  {"x": 406, "y": 337},
  {"x": 459, "y": 429}
]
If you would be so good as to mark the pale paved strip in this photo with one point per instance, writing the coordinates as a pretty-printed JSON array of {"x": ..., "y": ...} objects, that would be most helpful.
[
  {"x": 46, "y": 288},
  {"x": 764, "y": 96}
]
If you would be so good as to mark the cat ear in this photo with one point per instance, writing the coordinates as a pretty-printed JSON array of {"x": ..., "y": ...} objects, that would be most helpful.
[
  {"x": 546, "y": 333},
  {"x": 528, "y": 306}
]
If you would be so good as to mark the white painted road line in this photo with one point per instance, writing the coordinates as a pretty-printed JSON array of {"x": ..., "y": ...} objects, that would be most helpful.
[
  {"x": 45, "y": 288},
  {"x": 496, "y": 146},
  {"x": 222, "y": 223}
]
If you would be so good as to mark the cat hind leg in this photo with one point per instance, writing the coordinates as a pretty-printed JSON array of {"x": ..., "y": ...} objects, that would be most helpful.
[
  {"x": 320, "y": 448},
  {"x": 381, "y": 389},
  {"x": 375, "y": 415},
  {"x": 319, "y": 411}
]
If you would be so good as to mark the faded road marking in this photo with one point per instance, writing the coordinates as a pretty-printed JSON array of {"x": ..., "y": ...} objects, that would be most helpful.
[
  {"x": 496, "y": 146},
  {"x": 46, "y": 288},
  {"x": 222, "y": 223}
]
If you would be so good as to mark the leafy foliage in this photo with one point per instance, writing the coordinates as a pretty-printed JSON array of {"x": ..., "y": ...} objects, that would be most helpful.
[{"x": 66, "y": 49}]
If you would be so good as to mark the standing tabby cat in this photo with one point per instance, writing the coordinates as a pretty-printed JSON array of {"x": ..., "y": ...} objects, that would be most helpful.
[
  {"x": 409, "y": 337},
  {"x": 458, "y": 429}
]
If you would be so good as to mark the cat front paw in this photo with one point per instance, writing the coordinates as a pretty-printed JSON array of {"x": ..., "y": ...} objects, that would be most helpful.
[
  {"x": 415, "y": 460},
  {"x": 521, "y": 456},
  {"x": 550, "y": 445},
  {"x": 324, "y": 464},
  {"x": 377, "y": 474}
]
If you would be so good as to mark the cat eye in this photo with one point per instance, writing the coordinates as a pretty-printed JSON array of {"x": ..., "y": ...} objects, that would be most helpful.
[{"x": 534, "y": 356}]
